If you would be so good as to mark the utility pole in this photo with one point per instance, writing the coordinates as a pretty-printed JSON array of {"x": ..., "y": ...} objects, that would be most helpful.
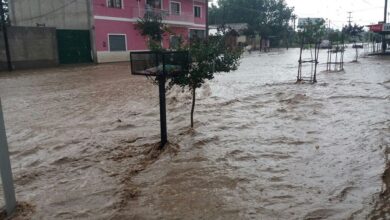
[
  {"x": 350, "y": 18},
  {"x": 384, "y": 45},
  {"x": 207, "y": 19},
  {"x": 5, "y": 35},
  {"x": 385, "y": 19}
]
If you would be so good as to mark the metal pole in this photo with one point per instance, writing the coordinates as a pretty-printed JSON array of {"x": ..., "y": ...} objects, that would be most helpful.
[
  {"x": 163, "y": 117},
  {"x": 385, "y": 17},
  {"x": 5, "y": 169},
  {"x": 5, "y": 35},
  {"x": 163, "y": 111},
  {"x": 139, "y": 9},
  {"x": 207, "y": 19},
  {"x": 384, "y": 46}
]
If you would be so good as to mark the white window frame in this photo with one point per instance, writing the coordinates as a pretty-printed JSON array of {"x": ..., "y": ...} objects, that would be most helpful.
[
  {"x": 115, "y": 34},
  {"x": 162, "y": 4},
  {"x": 122, "y": 6},
  {"x": 200, "y": 11},
  {"x": 170, "y": 8}
]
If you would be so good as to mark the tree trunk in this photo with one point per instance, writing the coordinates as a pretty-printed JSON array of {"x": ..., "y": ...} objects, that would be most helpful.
[
  {"x": 357, "y": 54},
  {"x": 193, "y": 106}
]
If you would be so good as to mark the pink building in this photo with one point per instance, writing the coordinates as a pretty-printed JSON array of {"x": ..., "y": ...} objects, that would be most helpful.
[
  {"x": 114, "y": 35},
  {"x": 103, "y": 30}
]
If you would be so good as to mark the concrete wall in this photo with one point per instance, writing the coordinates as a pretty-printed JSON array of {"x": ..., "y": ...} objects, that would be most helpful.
[
  {"x": 62, "y": 14},
  {"x": 30, "y": 47}
]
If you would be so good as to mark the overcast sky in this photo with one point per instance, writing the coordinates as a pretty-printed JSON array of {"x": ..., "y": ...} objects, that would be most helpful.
[{"x": 363, "y": 11}]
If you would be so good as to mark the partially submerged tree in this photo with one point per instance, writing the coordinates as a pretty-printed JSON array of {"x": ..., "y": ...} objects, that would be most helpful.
[
  {"x": 208, "y": 57},
  {"x": 354, "y": 33},
  {"x": 310, "y": 33}
]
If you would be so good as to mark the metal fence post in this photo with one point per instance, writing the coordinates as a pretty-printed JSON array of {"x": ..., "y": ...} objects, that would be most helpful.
[
  {"x": 5, "y": 169},
  {"x": 163, "y": 111}
]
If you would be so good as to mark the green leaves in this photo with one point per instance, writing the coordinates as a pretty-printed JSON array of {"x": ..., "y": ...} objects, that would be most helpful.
[
  {"x": 354, "y": 31},
  {"x": 151, "y": 26},
  {"x": 208, "y": 57},
  {"x": 264, "y": 17},
  {"x": 312, "y": 32}
]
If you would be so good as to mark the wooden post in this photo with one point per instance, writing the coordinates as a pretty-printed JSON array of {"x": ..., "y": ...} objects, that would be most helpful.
[
  {"x": 316, "y": 52},
  {"x": 5, "y": 169}
]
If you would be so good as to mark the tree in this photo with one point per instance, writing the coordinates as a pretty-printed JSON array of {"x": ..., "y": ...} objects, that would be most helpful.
[
  {"x": 264, "y": 17},
  {"x": 151, "y": 26},
  {"x": 208, "y": 57},
  {"x": 354, "y": 34}
]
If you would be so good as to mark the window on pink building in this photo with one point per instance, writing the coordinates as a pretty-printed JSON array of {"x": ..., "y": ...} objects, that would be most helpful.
[
  {"x": 175, "y": 8},
  {"x": 114, "y": 3},
  {"x": 197, "y": 12},
  {"x": 117, "y": 42}
]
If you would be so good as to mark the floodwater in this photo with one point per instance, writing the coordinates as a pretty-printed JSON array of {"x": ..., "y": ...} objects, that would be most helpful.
[{"x": 83, "y": 143}]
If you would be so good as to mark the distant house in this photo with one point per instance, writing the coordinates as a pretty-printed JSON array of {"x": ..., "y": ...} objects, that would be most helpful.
[{"x": 103, "y": 30}]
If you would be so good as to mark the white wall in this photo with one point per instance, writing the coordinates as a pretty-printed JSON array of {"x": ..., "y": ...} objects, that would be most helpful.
[
  {"x": 108, "y": 57},
  {"x": 62, "y": 14}
]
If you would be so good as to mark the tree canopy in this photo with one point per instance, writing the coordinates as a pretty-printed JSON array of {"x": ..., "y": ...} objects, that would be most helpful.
[
  {"x": 208, "y": 57},
  {"x": 312, "y": 32},
  {"x": 353, "y": 31},
  {"x": 264, "y": 17}
]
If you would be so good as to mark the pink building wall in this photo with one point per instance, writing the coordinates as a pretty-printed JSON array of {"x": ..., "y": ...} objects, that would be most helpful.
[
  {"x": 121, "y": 21},
  {"x": 134, "y": 40}
]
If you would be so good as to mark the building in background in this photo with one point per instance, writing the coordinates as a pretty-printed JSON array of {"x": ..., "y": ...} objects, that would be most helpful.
[
  {"x": 103, "y": 30},
  {"x": 382, "y": 29}
]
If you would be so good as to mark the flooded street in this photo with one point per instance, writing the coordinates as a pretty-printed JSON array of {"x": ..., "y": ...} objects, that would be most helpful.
[{"x": 83, "y": 143}]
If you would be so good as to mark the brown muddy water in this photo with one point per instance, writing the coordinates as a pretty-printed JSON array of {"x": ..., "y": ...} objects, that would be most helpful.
[{"x": 83, "y": 143}]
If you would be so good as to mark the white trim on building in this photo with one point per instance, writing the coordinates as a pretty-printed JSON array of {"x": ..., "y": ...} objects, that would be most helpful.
[{"x": 133, "y": 20}]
